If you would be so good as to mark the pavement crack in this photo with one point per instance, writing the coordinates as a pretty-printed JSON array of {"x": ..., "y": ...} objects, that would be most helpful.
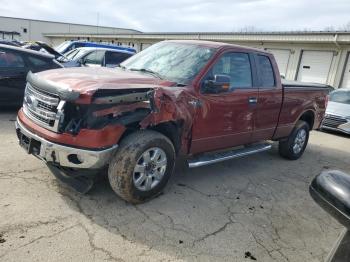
[
  {"x": 218, "y": 231},
  {"x": 198, "y": 191},
  {"x": 37, "y": 239},
  {"x": 94, "y": 247},
  {"x": 25, "y": 227}
]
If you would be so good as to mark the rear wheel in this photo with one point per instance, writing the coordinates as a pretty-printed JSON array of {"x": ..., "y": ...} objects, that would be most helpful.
[
  {"x": 141, "y": 166},
  {"x": 294, "y": 146}
]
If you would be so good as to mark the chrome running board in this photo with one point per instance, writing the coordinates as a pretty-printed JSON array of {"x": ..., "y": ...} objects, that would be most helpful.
[{"x": 211, "y": 158}]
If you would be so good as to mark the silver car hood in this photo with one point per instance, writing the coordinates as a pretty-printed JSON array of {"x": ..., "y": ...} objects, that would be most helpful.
[{"x": 338, "y": 109}]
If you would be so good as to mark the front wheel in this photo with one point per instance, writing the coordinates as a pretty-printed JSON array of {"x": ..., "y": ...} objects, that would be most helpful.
[
  {"x": 141, "y": 166},
  {"x": 294, "y": 146}
]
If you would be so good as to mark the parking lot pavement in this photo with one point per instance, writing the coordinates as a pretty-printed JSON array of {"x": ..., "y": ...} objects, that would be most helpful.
[{"x": 255, "y": 207}]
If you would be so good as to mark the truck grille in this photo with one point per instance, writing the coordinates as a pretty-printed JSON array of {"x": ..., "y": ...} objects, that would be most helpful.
[
  {"x": 333, "y": 121},
  {"x": 43, "y": 108}
]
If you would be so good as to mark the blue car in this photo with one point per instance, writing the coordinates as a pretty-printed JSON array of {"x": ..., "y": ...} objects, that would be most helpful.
[{"x": 70, "y": 45}]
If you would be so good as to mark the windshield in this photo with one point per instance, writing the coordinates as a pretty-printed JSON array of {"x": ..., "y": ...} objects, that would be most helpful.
[
  {"x": 176, "y": 62},
  {"x": 76, "y": 53},
  {"x": 71, "y": 54},
  {"x": 340, "y": 96},
  {"x": 62, "y": 47}
]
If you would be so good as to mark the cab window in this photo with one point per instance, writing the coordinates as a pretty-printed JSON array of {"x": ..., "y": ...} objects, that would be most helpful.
[
  {"x": 37, "y": 62},
  {"x": 235, "y": 65}
]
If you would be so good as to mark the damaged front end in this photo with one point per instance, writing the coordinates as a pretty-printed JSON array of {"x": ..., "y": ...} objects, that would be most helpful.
[
  {"x": 123, "y": 107},
  {"x": 81, "y": 131},
  {"x": 62, "y": 110},
  {"x": 72, "y": 131}
]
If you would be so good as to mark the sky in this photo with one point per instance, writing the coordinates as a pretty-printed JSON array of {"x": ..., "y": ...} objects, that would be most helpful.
[{"x": 189, "y": 15}]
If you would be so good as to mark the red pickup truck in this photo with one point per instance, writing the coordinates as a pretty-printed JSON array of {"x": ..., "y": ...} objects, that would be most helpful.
[{"x": 206, "y": 101}]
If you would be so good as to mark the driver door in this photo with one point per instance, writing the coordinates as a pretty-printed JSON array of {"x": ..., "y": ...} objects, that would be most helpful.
[{"x": 227, "y": 119}]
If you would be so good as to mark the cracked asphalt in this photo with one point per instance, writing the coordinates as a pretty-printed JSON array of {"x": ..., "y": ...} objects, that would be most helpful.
[{"x": 256, "y": 207}]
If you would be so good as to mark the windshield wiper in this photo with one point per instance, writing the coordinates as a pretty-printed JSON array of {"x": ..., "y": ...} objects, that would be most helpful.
[{"x": 144, "y": 70}]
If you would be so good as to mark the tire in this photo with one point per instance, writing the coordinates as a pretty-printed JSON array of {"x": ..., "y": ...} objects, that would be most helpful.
[
  {"x": 294, "y": 146},
  {"x": 131, "y": 156}
]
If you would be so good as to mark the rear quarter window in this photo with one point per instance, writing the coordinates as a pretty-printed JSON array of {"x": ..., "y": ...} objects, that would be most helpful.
[
  {"x": 11, "y": 60},
  {"x": 267, "y": 78},
  {"x": 115, "y": 58},
  {"x": 38, "y": 62}
]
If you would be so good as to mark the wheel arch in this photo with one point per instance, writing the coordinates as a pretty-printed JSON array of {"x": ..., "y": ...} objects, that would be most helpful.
[
  {"x": 171, "y": 129},
  {"x": 309, "y": 117}
]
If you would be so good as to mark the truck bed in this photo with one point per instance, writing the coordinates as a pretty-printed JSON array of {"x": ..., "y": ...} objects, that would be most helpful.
[
  {"x": 310, "y": 96},
  {"x": 298, "y": 84}
]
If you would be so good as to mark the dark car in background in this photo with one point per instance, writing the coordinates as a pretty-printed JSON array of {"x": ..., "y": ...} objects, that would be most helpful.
[
  {"x": 10, "y": 42},
  {"x": 91, "y": 56},
  {"x": 15, "y": 63},
  {"x": 337, "y": 116}
]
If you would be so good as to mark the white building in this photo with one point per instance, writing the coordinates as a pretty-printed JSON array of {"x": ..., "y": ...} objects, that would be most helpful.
[
  {"x": 321, "y": 57},
  {"x": 35, "y": 30}
]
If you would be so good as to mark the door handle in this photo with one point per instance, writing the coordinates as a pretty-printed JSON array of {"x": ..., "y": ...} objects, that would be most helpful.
[{"x": 252, "y": 100}]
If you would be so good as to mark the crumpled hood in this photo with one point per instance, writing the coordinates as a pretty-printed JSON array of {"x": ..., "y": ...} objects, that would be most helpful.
[
  {"x": 338, "y": 109},
  {"x": 87, "y": 80}
]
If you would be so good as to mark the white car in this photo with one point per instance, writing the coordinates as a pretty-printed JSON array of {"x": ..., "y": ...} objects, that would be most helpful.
[
  {"x": 92, "y": 56},
  {"x": 337, "y": 116}
]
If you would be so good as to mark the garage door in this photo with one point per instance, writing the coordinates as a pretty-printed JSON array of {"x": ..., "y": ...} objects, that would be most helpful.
[
  {"x": 346, "y": 77},
  {"x": 282, "y": 58},
  {"x": 315, "y": 66}
]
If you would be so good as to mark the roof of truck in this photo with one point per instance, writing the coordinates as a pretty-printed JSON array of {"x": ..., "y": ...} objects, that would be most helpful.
[{"x": 218, "y": 45}]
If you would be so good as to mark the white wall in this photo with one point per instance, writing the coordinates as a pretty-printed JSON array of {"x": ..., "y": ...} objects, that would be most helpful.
[
  {"x": 336, "y": 69},
  {"x": 36, "y": 29}
]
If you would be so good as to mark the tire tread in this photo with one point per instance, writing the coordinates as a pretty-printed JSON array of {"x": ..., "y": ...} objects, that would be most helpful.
[{"x": 122, "y": 163}]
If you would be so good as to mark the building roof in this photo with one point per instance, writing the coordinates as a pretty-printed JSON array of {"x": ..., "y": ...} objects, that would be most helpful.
[
  {"x": 337, "y": 37},
  {"x": 68, "y": 23}
]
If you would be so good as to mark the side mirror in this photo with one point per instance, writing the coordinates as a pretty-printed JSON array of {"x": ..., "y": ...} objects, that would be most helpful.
[
  {"x": 331, "y": 190},
  {"x": 220, "y": 84}
]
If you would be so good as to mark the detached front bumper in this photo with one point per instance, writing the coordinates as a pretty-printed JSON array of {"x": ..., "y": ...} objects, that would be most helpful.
[{"x": 62, "y": 155}]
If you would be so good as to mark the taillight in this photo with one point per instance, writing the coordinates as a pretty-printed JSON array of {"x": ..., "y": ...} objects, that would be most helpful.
[{"x": 326, "y": 101}]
